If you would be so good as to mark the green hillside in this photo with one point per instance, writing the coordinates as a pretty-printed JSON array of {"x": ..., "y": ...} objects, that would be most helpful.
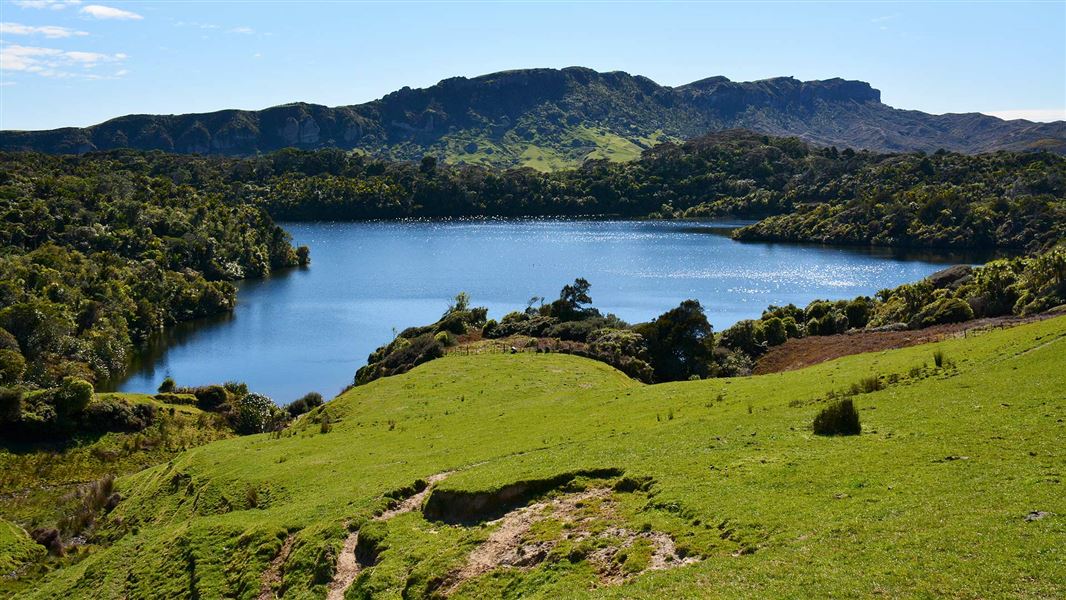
[{"x": 709, "y": 488}]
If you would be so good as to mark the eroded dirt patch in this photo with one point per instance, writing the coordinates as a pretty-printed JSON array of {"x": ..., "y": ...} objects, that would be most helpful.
[
  {"x": 577, "y": 526},
  {"x": 348, "y": 564},
  {"x": 272, "y": 576},
  {"x": 798, "y": 353}
]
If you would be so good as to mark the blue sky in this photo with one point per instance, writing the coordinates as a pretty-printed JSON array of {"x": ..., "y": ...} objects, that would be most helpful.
[{"x": 67, "y": 63}]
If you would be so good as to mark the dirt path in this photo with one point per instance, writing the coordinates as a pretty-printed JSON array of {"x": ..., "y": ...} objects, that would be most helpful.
[
  {"x": 272, "y": 577},
  {"x": 348, "y": 566},
  {"x": 510, "y": 544},
  {"x": 804, "y": 352}
]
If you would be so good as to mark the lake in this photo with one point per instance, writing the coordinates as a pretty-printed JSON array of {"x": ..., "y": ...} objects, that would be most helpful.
[{"x": 310, "y": 329}]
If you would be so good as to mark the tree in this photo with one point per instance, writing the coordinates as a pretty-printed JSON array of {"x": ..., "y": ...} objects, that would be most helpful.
[
  {"x": 572, "y": 300},
  {"x": 461, "y": 303},
  {"x": 680, "y": 342},
  {"x": 12, "y": 366}
]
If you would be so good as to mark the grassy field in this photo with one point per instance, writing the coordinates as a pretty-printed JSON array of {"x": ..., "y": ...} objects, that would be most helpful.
[
  {"x": 565, "y": 149},
  {"x": 933, "y": 499}
]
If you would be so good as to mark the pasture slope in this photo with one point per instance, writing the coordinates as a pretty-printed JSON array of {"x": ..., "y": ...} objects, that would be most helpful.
[{"x": 549, "y": 475}]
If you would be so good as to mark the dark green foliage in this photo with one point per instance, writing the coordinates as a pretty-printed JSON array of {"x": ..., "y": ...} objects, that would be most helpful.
[
  {"x": 680, "y": 342},
  {"x": 938, "y": 358},
  {"x": 743, "y": 336},
  {"x": 303, "y": 256},
  {"x": 945, "y": 310},
  {"x": 72, "y": 396},
  {"x": 167, "y": 386},
  {"x": 12, "y": 366},
  {"x": 102, "y": 252},
  {"x": 859, "y": 311},
  {"x": 306, "y": 403},
  {"x": 252, "y": 413},
  {"x": 113, "y": 414},
  {"x": 400, "y": 356},
  {"x": 839, "y": 418},
  {"x": 210, "y": 397},
  {"x": 10, "y": 405},
  {"x": 774, "y": 331}
]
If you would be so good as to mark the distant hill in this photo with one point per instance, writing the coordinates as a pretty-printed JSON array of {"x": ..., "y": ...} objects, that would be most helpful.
[{"x": 549, "y": 118}]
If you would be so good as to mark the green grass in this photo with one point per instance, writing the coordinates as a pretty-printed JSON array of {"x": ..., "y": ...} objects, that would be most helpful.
[
  {"x": 39, "y": 482},
  {"x": 565, "y": 148},
  {"x": 17, "y": 550},
  {"x": 930, "y": 501}
]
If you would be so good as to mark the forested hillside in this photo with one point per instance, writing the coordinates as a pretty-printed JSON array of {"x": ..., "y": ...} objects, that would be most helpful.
[
  {"x": 553, "y": 119},
  {"x": 96, "y": 257},
  {"x": 944, "y": 199}
]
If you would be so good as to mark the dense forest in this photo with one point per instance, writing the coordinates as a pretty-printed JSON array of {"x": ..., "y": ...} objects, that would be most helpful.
[
  {"x": 96, "y": 258},
  {"x": 803, "y": 193}
]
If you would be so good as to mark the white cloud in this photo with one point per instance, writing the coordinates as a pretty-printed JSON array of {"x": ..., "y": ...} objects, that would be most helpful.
[
  {"x": 1031, "y": 114},
  {"x": 48, "y": 31},
  {"x": 50, "y": 4},
  {"x": 244, "y": 30},
  {"x": 52, "y": 62},
  {"x": 107, "y": 12}
]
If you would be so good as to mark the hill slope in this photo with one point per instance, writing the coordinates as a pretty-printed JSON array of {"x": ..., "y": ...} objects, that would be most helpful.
[
  {"x": 548, "y": 118},
  {"x": 705, "y": 487}
]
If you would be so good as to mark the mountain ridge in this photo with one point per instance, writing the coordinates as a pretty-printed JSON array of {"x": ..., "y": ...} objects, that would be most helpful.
[{"x": 547, "y": 118}]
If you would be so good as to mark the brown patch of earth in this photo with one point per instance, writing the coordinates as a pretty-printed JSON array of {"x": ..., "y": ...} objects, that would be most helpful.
[
  {"x": 348, "y": 566},
  {"x": 272, "y": 576},
  {"x": 513, "y": 544},
  {"x": 798, "y": 353}
]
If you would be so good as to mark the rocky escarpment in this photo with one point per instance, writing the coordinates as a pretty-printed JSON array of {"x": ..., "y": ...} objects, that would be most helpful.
[{"x": 510, "y": 111}]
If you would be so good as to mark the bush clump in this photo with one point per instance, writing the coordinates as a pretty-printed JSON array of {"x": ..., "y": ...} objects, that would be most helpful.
[
  {"x": 839, "y": 418},
  {"x": 305, "y": 404}
]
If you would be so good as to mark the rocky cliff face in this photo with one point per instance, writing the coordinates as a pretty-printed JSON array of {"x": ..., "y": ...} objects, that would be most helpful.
[{"x": 512, "y": 111}]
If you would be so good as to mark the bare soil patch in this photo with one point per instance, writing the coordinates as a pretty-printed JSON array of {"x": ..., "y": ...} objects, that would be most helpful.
[
  {"x": 272, "y": 576},
  {"x": 348, "y": 565},
  {"x": 804, "y": 352},
  {"x": 514, "y": 543}
]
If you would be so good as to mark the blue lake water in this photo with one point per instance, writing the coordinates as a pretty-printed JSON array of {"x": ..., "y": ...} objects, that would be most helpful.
[{"x": 310, "y": 329}]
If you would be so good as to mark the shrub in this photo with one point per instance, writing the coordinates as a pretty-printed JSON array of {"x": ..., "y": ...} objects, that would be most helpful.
[
  {"x": 168, "y": 386},
  {"x": 236, "y": 389},
  {"x": 72, "y": 396},
  {"x": 867, "y": 385},
  {"x": 742, "y": 336},
  {"x": 774, "y": 331},
  {"x": 308, "y": 402},
  {"x": 945, "y": 310},
  {"x": 444, "y": 338},
  {"x": 210, "y": 397},
  {"x": 859, "y": 311},
  {"x": 938, "y": 358},
  {"x": 839, "y": 418},
  {"x": 10, "y": 404},
  {"x": 112, "y": 414},
  {"x": 303, "y": 256},
  {"x": 252, "y": 414},
  {"x": 12, "y": 366}
]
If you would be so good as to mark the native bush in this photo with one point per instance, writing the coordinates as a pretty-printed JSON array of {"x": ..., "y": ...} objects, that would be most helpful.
[
  {"x": 304, "y": 404},
  {"x": 839, "y": 418}
]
